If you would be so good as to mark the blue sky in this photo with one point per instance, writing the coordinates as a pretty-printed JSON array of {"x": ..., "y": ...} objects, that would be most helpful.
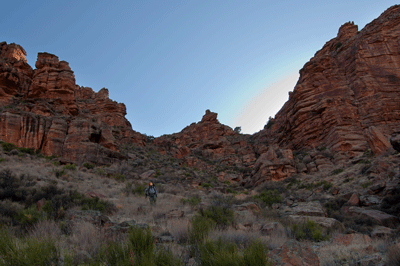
[{"x": 169, "y": 61}]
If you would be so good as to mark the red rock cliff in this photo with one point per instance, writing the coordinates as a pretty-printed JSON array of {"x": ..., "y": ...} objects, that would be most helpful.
[
  {"x": 45, "y": 109},
  {"x": 347, "y": 97}
]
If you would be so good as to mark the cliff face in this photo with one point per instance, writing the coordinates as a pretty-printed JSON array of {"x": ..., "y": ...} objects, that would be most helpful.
[
  {"x": 347, "y": 96},
  {"x": 346, "y": 101},
  {"x": 46, "y": 110}
]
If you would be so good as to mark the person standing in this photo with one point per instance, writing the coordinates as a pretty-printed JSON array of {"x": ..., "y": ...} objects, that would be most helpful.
[{"x": 151, "y": 192}]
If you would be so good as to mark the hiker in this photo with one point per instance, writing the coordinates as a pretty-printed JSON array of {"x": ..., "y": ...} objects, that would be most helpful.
[{"x": 151, "y": 192}]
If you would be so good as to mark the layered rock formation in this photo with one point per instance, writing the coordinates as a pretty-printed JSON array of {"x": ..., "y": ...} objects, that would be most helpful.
[
  {"x": 347, "y": 96},
  {"x": 209, "y": 144},
  {"x": 345, "y": 102},
  {"x": 46, "y": 110}
]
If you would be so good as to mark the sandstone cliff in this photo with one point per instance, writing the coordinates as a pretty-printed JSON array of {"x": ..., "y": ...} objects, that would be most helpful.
[
  {"x": 46, "y": 110},
  {"x": 346, "y": 102},
  {"x": 347, "y": 96}
]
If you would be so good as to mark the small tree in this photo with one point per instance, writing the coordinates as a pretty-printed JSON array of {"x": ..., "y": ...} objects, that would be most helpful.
[{"x": 238, "y": 130}]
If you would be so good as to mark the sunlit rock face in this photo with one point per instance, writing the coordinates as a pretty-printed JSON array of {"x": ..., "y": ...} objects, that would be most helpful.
[
  {"x": 46, "y": 110},
  {"x": 347, "y": 97}
]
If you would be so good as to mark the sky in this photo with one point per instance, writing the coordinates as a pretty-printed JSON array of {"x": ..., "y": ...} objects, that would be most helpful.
[{"x": 170, "y": 61}]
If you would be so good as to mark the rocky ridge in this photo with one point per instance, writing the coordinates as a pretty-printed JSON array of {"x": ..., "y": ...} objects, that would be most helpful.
[
  {"x": 344, "y": 105},
  {"x": 46, "y": 110},
  {"x": 346, "y": 98}
]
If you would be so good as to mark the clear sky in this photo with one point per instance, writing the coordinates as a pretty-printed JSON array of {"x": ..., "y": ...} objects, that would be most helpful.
[{"x": 169, "y": 61}]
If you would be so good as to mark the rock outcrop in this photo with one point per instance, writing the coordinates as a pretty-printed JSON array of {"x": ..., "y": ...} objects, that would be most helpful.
[
  {"x": 347, "y": 95},
  {"x": 46, "y": 110}
]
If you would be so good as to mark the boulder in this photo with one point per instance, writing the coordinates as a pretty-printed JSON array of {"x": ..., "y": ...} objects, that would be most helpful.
[
  {"x": 351, "y": 239},
  {"x": 381, "y": 232},
  {"x": 294, "y": 253},
  {"x": 329, "y": 224},
  {"x": 311, "y": 208}
]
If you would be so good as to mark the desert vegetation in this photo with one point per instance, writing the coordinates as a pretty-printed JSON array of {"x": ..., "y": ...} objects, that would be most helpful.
[{"x": 66, "y": 214}]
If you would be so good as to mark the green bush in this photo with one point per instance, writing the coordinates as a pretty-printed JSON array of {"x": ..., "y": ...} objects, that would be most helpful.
[
  {"x": 114, "y": 253},
  {"x": 8, "y": 146},
  {"x": 51, "y": 157},
  {"x": 270, "y": 122},
  {"x": 165, "y": 258},
  {"x": 119, "y": 177},
  {"x": 337, "y": 171},
  {"x": 206, "y": 185},
  {"x": 28, "y": 216},
  {"x": 327, "y": 185},
  {"x": 29, "y": 252},
  {"x": 96, "y": 204},
  {"x": 255, "y": 254},
  {"x": 30, "y": 151},
  {"x": 366, "y": 184},
  {"x": 58, "y": 173},
  {"x": 88, "y": 165},
  {"x": 192, "y": 201},
  {"x": 219, "y": 253},
  {"x": 200, "y": 227},
  {"x": 310, "y": 230},
  {"x": 226, "y": 253},
  {"x": 222, "y": 215},
  {"x": 69, "y": 166},
  {"x": 269, "y": 197},
  {"x": 140, "y": 242},
  {"x": 138, "y": 250}
]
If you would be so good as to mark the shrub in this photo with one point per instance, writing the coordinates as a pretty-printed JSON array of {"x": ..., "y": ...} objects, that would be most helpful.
[
  {"x": 88, "y": 165},
  {"x": 51, "y": 157},
  {"x": 30, "y": 151},
  {"x": 165, "y": 258},
  {"x": 237, "y": 130},
  {"x": 222, "y": 252},
  {"x": 338, "y": 45},
  {"x": 119, "y": 177},
  {"x": 255, "y": 254},
  {"x": 269, "y": 197},
  {"x": 158, "y": 173},
  {"x": 327, "y": 185},
  {"x": 138, "y": 250},
  {"x": 199, "y": 229},
  {"x": 223, "y": 216},
  {"x": 69, "y": 166},
  {"x": 101, "y": 172},
  {"x": 58, "y": 173},
  {"x": 96, "y": 204},
  {"x": 28, "y": 216},
  {"x": 141, "y": 243},
  {"x": 8, "y": 146},
  {"x": 337, "y": 171},
  {"x": 30, "y": 252},
  {"x": 219, "y": 253},
  {"x": 192, "y": 201},
  {"x": 206, "y": 185},
  {"x": 309, "y": 231},
  {"x": 366, "y": 184},
  {"x": 270, "y": 122}
]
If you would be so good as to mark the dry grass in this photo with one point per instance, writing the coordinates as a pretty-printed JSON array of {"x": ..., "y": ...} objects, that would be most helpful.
[
  {"x": 243, "y": 238},
  {"x": 179, "y": 229},
  {"x": 85, "y": 236},
  {"x": 334, "y": 254},
  {"x": 46, "y": 229},
  {"x": 393, "y": 255}
]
